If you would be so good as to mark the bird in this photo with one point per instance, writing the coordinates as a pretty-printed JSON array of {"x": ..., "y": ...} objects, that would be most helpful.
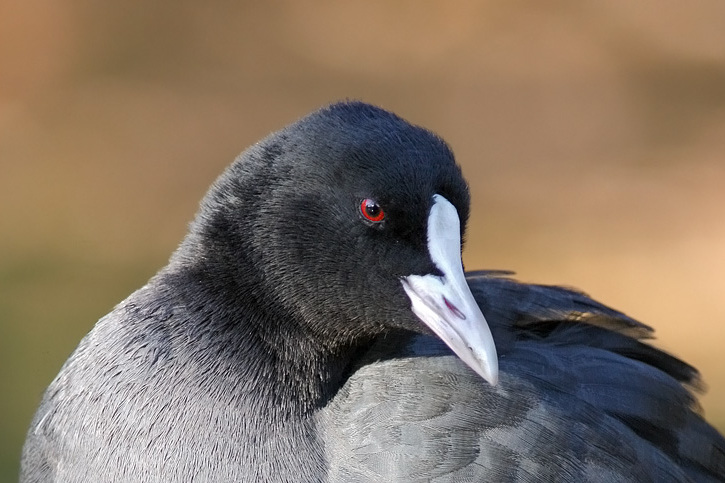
[{"x": 316, "y": 324}]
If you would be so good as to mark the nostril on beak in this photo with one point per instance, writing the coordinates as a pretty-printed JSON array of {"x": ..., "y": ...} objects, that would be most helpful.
[{"x": 454, "y": 309}]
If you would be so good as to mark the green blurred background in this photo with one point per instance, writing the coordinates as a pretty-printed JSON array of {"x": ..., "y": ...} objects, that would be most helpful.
[{"x": 592, "y": 133}]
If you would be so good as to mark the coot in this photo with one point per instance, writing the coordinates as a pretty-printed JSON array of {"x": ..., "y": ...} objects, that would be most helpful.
[{"x": 316, "y": 325}]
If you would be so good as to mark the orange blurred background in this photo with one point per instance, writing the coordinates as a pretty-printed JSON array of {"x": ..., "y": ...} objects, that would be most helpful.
[{"x": 592, "y": 134}]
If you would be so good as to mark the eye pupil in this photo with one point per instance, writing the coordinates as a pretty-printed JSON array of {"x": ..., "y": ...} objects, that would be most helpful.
[{"x": 371, "y": 210}]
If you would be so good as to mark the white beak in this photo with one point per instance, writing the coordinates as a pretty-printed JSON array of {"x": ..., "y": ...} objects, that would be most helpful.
[{"x": 445, "y": 303}]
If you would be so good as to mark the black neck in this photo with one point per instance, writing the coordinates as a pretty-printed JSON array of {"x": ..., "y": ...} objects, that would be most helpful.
[{"x": 270, "y": 355}]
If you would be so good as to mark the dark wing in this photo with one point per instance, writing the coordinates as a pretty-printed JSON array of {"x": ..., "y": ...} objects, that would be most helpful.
[
  {"x": 580, "y": 398},
  {"x": 567, "y": 316}
]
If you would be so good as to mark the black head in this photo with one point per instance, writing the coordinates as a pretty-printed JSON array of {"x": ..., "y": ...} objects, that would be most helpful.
[{"x": 319, "y": 222}]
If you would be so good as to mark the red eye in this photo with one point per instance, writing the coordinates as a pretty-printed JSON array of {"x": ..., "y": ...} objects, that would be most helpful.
[{"x": 372, "y": 211}]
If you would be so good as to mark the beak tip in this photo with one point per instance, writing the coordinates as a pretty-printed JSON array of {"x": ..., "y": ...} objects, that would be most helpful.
[
  {"x": 489, "y": 374},
  {"x": 493, "y": 379}
]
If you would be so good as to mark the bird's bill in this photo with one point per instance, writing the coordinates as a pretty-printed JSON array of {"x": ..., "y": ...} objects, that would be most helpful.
[{"x": 445, "y": 303}]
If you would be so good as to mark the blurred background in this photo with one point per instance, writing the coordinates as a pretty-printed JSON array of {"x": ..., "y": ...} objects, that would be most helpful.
[{"x": 592, "y": 133}]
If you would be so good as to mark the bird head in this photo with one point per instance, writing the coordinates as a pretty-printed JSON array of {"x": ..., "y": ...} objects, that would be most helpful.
[{"x": 350, "y": 223}]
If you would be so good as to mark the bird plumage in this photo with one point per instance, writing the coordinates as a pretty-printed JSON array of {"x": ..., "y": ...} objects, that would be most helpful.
[
  {"x": 581, "y": 398},
  {"x": 278, "y": 344}
]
